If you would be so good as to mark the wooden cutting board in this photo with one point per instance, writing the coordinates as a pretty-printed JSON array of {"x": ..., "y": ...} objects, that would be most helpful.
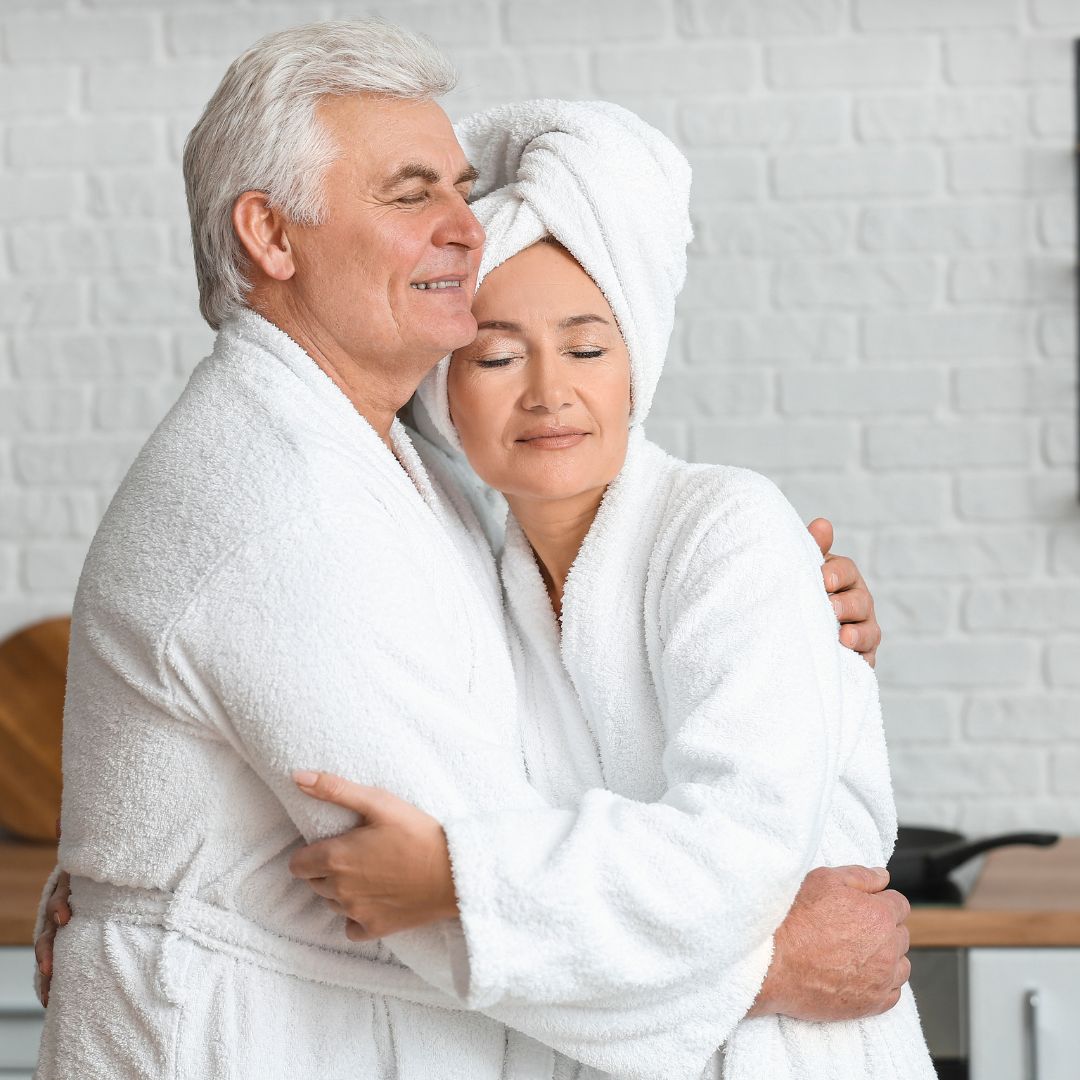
[{"x": 33, "y": 664}]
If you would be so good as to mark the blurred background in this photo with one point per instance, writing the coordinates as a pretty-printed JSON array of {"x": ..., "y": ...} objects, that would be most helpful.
[{"x": 880, "y": 312}]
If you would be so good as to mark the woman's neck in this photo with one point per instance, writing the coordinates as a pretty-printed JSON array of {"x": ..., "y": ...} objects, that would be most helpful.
[{"x": 556, "y": 529}]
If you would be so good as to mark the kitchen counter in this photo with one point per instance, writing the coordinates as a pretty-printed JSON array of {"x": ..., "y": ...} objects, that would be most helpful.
[
  {"x": 23, "y": 870},
  {"x": 1024, "y": 897}
]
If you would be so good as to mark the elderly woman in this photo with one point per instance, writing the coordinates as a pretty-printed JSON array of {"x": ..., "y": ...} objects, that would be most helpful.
[{"x": 673, "y": 642}]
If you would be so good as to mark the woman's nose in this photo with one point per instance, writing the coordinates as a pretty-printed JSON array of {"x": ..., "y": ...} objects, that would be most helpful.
[{"x": 547, "y": 388}]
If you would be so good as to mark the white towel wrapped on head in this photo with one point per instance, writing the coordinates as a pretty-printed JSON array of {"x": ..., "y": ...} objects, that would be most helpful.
[{"x": 611, "y": 189}]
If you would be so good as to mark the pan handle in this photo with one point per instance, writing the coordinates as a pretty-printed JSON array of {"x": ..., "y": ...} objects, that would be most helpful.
[{"x": 947, "y": 858}]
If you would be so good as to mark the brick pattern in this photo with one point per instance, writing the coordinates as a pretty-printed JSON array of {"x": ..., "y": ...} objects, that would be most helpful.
[{"x": 879, "y": 310}]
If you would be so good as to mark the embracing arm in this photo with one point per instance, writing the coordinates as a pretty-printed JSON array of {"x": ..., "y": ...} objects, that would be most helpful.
[
  {"x": 622, "y": 917},
  {"x": 859, "y": 630}
]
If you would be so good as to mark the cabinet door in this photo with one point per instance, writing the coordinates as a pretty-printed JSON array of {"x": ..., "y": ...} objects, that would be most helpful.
[
  {"x": 21, "y": 1017},
  {"x": 1024, "y": 1014}
]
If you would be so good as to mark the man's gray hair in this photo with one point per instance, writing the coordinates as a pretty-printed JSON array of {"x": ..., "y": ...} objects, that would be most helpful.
[{"x": 259, "y": 132}]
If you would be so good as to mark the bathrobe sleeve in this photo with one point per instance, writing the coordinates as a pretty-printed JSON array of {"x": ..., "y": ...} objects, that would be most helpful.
[
  {"x": 638, "y": 919},
  {"x": 317, "y": 645}
]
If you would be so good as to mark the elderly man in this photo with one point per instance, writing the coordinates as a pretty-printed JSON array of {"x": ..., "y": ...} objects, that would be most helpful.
[{"x": 285, "y": 580}]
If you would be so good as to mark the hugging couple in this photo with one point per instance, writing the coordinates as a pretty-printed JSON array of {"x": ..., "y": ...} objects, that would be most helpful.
[{"x": 495, "y": 744}]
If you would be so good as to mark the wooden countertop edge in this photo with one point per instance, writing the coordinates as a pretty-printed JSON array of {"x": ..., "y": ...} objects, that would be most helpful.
[
  {"x": 965, "y": 928},
  {"x": 16, "y": 933}
]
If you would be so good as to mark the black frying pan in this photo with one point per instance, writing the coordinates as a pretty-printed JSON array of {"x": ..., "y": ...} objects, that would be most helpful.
[{"x": 923, "y": 859}]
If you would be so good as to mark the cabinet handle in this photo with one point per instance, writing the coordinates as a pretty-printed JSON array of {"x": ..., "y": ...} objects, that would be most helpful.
[{"x": 1031, "y": 1035}]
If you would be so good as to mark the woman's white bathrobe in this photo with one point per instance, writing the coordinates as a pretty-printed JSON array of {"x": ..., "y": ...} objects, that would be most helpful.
[
  {"x": 699, "y": 658},
  {"x": 271, "y": 590}
]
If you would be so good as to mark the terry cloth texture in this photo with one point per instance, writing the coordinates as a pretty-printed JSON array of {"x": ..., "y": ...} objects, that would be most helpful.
[
  {"x": 697, "y": 660},
  {"x": 612, "y": 190},
  {"x": 271, "y": 590}
]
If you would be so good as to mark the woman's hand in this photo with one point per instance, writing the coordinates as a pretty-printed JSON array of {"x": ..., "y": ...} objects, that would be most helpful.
[
  {"x": 851, "y": 599},
  {"x": 390, "y": 873},
  {"x": 57, "y": 914}
]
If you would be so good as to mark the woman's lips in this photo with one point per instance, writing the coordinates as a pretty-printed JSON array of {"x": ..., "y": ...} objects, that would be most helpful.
[{"x": 553, "y": 438}]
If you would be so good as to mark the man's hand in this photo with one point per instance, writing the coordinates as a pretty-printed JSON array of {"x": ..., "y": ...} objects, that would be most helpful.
[
  {"x": 390, "y": 873},
  {"x": 57, "y": 914},
  {"x": 851, "y": 599},
  {"x": 841, "y": 953}
]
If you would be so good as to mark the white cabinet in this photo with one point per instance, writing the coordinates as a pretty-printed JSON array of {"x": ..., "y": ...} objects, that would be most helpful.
[
  {"x": 1024, "y": 1012},
  {"x": 21, "y": 1016}
]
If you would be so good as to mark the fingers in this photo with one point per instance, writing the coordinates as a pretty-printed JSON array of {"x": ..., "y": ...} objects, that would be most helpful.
[
  {"x": 324, "y": 887},
  {"x": 57, "y": 908},
  {"x": 822, "y": 531},
  {"x": 43, "y": 949},
  {"x": 897, "y": 903},
  {"x": 903, "y": 972},
  {"x": 870, "y": 879},
  {"x": 312, "y": 861},
  {"x": 368, "y": 801},
  {"x": 904, "y": 938},
  {"x": 840, "y": 573},
  {"x": 853, "y": 605}
]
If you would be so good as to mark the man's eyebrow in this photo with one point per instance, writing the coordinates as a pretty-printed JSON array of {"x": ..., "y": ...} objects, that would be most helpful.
[
  {"x": 498, "y": 324},
  {"x": 412, "y": 170},
  {"x": 582, "y": 320},
  {"x": 415, "y": 170}
]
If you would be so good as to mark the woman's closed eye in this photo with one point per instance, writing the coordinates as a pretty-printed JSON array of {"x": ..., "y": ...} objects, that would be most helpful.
[
  {"x": 495, "y": 361},
  {"x": 588, "y": 353}
]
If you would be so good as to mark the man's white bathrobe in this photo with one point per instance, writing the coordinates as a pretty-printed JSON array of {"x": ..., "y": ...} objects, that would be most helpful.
[
  {"x": 698, "y": 648},
  {"x": 270, "y": 590}
]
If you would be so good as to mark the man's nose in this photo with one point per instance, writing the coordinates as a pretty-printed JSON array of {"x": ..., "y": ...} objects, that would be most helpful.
[{"x": 459, "y": 226}]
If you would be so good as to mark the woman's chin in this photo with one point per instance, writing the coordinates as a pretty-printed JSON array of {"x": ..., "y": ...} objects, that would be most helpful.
[{"x": 550, "y": 489}]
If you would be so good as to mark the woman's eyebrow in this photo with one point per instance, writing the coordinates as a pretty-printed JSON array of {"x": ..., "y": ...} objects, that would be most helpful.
[
  {"x": 581, "y": 320},
  {"x": 498, "y": 324}
]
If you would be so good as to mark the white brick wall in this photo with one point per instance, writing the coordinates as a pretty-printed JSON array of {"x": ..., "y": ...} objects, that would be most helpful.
[{"x": 879, "y": 312}]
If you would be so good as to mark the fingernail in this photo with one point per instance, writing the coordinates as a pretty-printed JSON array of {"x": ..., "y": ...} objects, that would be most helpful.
[
  {"x": 56, "y": 918},
  {"x": 834, "y": 580},
  {"x": 837, "y": 606},
  {"x": 305, "y": 777}
]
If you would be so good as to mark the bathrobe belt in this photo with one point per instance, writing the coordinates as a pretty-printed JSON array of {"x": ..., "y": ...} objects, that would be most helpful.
[
  {"x": 223, "y": 931},
  {"x": 185, "y": 917}
]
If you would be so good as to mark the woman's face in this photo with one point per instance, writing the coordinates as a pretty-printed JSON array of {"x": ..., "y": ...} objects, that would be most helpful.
[{"x": 541, "y": 398}]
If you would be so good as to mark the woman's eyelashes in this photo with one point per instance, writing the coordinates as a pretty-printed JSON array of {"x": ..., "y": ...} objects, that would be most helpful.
[
  {"x": 495, "y": 361},
  {"x": 584, "y": 352}
]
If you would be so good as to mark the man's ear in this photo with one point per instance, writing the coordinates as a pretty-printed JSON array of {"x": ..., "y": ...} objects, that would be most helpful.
[{"x": 261, "y": 230}]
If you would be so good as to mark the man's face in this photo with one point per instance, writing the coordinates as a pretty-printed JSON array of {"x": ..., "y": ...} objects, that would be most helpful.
[{"x": 391, "y": 273}]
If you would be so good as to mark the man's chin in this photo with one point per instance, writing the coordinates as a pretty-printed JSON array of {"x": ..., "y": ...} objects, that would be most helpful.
[{"x": 460, "y": 331}]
